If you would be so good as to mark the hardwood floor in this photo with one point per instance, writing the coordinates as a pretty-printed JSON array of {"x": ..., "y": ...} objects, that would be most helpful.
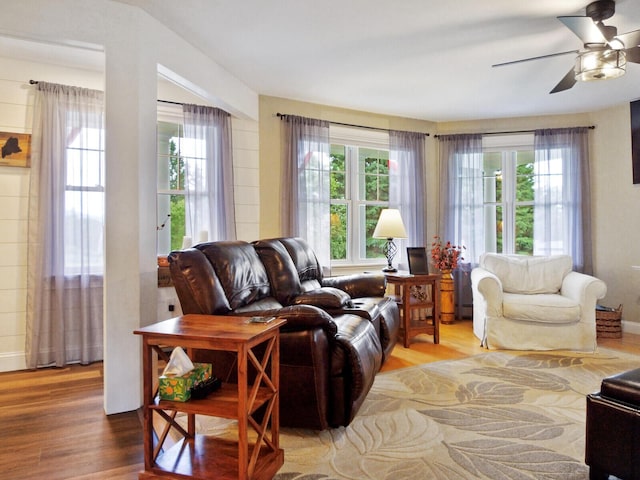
[{"x": 55, "y": 426}]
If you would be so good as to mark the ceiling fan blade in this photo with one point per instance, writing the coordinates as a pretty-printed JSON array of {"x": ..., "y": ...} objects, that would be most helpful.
[
  {"x": 568, "y": 81},
  {"x": 535, "y": 58},
  {"x": 630, "y": 39},
  {"x": 585, "y": 29},
  {"x": 633, "y": 54}
]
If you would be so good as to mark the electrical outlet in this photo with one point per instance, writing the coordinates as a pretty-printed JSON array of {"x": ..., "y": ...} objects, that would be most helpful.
[{"x": 172, "y": 307}]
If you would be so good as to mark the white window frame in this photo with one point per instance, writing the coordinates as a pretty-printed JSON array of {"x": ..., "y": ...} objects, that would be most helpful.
[
  {"x": 508, "y": 146},
  {"x": 169, "y": 114},
  {"x": 353, "y": 139}
]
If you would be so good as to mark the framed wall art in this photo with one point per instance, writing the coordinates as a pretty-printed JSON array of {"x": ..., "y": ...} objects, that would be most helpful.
[{"x": 15, "y": 149}]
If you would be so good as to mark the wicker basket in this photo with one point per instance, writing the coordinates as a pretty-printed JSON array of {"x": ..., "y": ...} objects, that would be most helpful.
[{"x": 609, "y": 323}]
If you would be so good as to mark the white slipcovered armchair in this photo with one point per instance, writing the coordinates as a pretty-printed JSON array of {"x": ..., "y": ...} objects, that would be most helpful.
[{"x": 534, "y": 303}]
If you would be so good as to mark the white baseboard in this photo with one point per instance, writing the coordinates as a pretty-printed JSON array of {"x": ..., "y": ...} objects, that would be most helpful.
[
  {"x": 631, "y": 327},
  {"x": 12, "y": 361}
]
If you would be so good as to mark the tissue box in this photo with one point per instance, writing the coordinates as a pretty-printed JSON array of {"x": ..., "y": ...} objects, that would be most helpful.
[{"x": 178, "y": 389}]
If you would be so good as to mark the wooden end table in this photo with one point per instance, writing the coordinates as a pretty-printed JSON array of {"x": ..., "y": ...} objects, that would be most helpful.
[
  {"x": 202, "y": 456},
  {"x": 411, "y": 295}
]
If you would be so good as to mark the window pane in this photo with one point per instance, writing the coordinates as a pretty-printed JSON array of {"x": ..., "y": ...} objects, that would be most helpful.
[
  {"x": 374, "y": 174},
  {"x": 373, "y": 246},
  {"x": 170, "y": 162},
  {"x": 524, "y": 230},
  {"x": 524, "y": 177},
  {"x": 171, "y": 213},
  {"x": 338, "y": 172},
  {"x": 492, "y": 164},
  {"x": 83, "y": 232},
  {"x": 339, "y": 224},
  {"x": 494, "y": 239}
]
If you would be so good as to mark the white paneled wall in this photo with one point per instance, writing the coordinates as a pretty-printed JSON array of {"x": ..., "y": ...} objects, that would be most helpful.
[
  {"x": 16, "y": 102},
  {"x": 246, "y": 178}
]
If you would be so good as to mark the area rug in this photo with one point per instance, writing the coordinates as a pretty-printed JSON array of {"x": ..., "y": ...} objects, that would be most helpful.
[{"x": 499, "y": 415}]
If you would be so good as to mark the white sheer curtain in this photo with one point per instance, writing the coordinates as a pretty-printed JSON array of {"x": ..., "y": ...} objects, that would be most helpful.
[
  {"x": 66, "y": 223},
  {"x": 406, "y": 186},
  {"x": 305, "y": 185},
  {"x": 562, "y": 211},
  {"x": 208, "y": 157},
  {"x": 461, "y": 193},
  {"x": 461, "y": 212}
]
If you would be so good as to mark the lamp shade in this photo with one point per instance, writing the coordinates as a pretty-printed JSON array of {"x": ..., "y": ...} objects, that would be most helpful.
[{"x": 390, "y": 225}]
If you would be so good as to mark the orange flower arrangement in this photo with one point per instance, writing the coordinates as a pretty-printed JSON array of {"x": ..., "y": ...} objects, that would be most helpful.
[{"x": 445, "y": 257}]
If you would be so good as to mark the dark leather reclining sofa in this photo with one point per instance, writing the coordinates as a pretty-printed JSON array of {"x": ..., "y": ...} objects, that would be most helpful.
[{"x": 338, "y": 332}]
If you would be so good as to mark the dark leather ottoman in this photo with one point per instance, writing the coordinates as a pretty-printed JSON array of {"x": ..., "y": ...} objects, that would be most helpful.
[{"x": 613, "y": 428}]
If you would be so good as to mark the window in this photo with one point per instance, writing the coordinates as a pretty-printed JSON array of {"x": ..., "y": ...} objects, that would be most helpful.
[
  {"x": 171, "y": 187},
  {"x": 359, "y": 191},
  {"x": 511, "y": 180},
  {"x": 84, "y": 201}
]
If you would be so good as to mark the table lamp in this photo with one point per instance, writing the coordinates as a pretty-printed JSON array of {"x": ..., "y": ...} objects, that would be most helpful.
[{"x": 390, "y": 226}]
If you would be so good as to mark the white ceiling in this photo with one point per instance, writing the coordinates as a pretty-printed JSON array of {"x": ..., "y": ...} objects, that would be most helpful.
[{"x": 422, "y": 59}]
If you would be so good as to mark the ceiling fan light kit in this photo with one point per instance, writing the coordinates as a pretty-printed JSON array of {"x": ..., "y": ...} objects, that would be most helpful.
[
  {"x": 600, "y": 65},
  {"x": 605, "y": 53}
]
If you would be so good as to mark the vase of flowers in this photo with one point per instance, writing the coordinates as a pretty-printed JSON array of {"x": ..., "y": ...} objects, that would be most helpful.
[{"x": 445, "y": 258}]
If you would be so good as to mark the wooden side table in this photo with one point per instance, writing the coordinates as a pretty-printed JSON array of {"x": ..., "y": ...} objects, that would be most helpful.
[
  {"x": 409, "y": 302},
  {"x": 201, "y": 456}
]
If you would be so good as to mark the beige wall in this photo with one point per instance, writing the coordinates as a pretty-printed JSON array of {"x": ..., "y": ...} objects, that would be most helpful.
[
  {"x": 616, "y": 219},
  {"x": 616, "y": 226},
  {"x": 270, "y": 152}
]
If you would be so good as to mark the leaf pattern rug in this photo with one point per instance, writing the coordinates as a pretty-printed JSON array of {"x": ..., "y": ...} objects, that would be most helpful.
[{"x": 499, "y": 415}]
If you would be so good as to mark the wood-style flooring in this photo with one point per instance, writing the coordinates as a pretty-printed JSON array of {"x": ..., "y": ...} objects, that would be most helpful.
[{"x": 55, "y": 427}]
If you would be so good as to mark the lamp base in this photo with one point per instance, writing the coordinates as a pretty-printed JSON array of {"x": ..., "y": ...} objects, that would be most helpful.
[{"x": 389, "y": 252}]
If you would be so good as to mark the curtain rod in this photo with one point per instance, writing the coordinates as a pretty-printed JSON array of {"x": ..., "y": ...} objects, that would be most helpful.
[
  {"x": 590, "y": 127},
  {"x": 171, "y": 102},
  {"x": 282, "y": 115}
]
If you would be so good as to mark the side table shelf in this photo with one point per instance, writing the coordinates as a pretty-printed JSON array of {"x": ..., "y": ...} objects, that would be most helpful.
[
  {"x": 256, "y": 454},
  {"x": 408, "y": 303}
]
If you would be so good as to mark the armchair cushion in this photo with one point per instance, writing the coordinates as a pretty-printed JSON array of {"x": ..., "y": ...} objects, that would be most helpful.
[
  {"x": 544, "y": 308},
  {"x": 528, "y": 275}
]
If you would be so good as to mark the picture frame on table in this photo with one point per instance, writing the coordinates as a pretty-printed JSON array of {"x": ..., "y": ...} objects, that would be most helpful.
[{"x": 418, "y": 261}]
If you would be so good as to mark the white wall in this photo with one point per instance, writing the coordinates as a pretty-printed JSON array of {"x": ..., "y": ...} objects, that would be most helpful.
[
  {"x": 136, "y": 47},
  {"x": 16, "y": 113},
  {"x": 16, "y": 110}
]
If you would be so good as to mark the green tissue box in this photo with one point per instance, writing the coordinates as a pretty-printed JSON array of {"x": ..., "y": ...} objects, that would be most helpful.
[{"x": 178, "y": 389}]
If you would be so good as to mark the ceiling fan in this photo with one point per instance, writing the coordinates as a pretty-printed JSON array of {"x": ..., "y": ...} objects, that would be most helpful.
[{"x": 605, "y": 53}]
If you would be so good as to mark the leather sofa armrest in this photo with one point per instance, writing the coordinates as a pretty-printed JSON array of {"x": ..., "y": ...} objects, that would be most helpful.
[
  {"x": 324, "y": 297},
  {"x": 358, "y": 285},
  {"x": 299, "y": 317}
]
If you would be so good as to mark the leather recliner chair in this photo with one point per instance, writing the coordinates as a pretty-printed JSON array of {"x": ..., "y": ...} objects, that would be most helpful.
[
  {"x": 613, "y": 428},
  {"x": 296, "y": 279},
  {"x": 327, "y": 363}
]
